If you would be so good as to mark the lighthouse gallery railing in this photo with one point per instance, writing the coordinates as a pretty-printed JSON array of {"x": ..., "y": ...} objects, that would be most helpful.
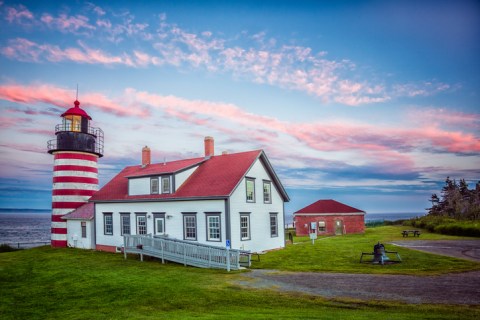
[{"x": 187, "y": 253}]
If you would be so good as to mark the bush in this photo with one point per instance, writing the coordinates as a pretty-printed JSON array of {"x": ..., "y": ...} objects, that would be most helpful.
[
  {"x": 6, "y": 248},
  {"x": 446, "y": 226}
]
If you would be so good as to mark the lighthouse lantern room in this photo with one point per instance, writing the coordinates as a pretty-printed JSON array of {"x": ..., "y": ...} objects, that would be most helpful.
[{"x": 76, "y": 150}]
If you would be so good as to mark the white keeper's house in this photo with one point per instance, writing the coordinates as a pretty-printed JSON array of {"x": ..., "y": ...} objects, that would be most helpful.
[
  {"x": 216, "y": 199},
  {"x": 236, "y": 197}
]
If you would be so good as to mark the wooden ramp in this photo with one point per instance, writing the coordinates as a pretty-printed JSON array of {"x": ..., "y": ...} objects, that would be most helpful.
[{"x": 185, "y": 252}]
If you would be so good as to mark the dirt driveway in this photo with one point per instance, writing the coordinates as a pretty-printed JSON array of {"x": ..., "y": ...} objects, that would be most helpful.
[
  {"x": 465, "y": 249},
  {"x": 458, "y": 288}
]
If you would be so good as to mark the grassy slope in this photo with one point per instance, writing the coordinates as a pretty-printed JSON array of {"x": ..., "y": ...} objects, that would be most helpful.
[
  {"x": 45, "y": 283},
  {"x": 342, "y": 254}
]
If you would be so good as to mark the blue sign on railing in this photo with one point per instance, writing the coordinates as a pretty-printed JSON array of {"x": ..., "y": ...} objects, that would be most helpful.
[{"x": 227, "y": 245}]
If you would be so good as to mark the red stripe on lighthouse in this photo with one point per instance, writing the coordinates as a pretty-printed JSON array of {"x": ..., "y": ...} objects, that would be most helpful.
[
  {"x": 72, "y": 192},
  {"x": 57, "y": 218},
  {"x": 75, "y": 179},
  {"x": 74, "y": 168},
  {"x": 66, "y": 205},
  {"x": 59, "y": 243},
  {"x": 59, "y": 230},
  {"x": 77, "y": 156}
]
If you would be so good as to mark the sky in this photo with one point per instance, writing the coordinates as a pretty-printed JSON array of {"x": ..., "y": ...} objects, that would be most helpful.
[{"x": 370, "y": 103}]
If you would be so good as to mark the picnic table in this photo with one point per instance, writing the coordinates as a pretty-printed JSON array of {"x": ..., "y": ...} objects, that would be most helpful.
[{"x": 416, "y": 233}]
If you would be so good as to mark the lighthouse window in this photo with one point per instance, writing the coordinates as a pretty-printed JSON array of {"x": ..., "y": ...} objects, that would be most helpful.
[
  {"x": 165, "y": 185},
  {"x": 154, "y": 185}
]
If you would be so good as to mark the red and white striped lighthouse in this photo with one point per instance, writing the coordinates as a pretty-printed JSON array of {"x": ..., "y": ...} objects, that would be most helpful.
[{"x": 76, "y": 150}]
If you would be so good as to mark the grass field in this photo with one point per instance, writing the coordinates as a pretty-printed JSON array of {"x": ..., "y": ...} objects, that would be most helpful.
[
  {"x": 342, "y": 254},
  {"x": 46, "y": 283}
]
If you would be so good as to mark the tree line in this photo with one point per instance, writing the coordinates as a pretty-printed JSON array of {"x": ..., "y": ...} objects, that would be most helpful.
[{"x": 457, "y": 201}]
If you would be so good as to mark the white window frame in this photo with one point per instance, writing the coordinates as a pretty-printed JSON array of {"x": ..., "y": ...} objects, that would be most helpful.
[
  {"x": 214, "y": 229},
  {"x": 141, "y": 229},
  {"x": 245, "y": 227},
  {"x": 154, "y": 187},
  {"x": 247, "y": 193},
  {"x": 267, "y": 196},
  {"x": 83, "y": 225},
  {"x": 108, "y": 223},
  {"x": 188, "y": 229},
  {"x": 155, "y": 220},
  {"x": 274, "y": 225},
  {"x": 165, "y": 187},
  {"x": 123, "y": 225}
]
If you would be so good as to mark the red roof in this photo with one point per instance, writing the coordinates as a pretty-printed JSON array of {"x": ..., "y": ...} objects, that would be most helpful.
[
  {"x": 76, "y": 111},
  {"x": 328, "y": 206},
  {"x": 84, "y": 212},
  {"x": 216, "y": 176}
]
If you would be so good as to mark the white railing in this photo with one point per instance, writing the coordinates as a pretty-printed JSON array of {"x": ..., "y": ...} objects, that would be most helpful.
[{"x": 185, "y": 252}]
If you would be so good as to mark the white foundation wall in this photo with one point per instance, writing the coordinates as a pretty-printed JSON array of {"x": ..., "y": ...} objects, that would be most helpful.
[
  {"x": 260, "y": 237},
  {"x": 173, "y": 219},
  {"x": 74, "y": 234}
]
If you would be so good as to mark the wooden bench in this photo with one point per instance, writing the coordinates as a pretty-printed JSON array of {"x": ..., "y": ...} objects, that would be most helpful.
[{"x": 416, "y": 233}]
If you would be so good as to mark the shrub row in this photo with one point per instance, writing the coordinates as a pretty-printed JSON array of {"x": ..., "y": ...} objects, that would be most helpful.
[{"x": 446, "y": 226}]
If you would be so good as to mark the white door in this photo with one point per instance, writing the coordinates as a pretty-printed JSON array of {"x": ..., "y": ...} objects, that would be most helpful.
[{"x": 159, "y": 226}]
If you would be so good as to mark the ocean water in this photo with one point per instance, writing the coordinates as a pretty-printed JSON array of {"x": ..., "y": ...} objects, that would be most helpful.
[
  {"x": 24, "y": 226},
  {"x": 391, "y": 216}
]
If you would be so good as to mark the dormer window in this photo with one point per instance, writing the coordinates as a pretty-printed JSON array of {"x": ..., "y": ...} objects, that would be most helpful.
[
  {"x": 154, "y": 186},
  {"x": 165, "y": 184}
]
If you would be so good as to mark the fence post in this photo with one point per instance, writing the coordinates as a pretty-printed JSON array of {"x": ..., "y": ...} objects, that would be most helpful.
[
  {"x": 125, "y": 247},
  {"x": 228, "y": 259}
]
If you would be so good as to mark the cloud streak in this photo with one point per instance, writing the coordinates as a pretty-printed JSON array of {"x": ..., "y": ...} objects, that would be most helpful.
[{"x": 290, "y": 67}]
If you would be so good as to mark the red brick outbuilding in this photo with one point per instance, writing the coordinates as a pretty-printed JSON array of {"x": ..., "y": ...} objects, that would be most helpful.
[{"x": 330, "y": 217}]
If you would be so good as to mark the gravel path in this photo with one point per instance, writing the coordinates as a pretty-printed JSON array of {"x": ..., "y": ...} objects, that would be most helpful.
[{"x": 458, "y": 288}]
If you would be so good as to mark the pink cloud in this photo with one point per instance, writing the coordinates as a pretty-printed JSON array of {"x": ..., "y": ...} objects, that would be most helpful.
[
  {"x": 68, "y": 24},
  {"x": 20, "y": 16},
  {"x": 62, "y": 98},
  {"x": 29, "y": 51}
]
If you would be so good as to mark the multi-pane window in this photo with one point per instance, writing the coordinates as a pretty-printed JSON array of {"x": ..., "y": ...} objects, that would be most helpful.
[
  {"x": 154, "y": 185},
  {"x": 245, "y": 226},
  {"x": 213, "y": 228},
  {"x": 250, "y": 187},
  {"x": 321, "y": 226},
  {"x": 190, "y": 227},
  {"x": 84, "y": 229},
  {"x": 125, "y": 223},
  {"x": 165, "y": 184},
  {"x": 267, "y": 192},
  {"x": 141, "y": 224},
  {"x": 107, "y": 224},
  {"x": 273, "y": 225}
]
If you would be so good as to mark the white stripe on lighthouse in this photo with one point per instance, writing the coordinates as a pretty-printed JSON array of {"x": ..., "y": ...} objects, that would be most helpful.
[
  {"x": 75, "y": 162},
  {"x": 59, "y": 224},
  {"x": 57, "y": 236},
  {"x": 75, "y": 174},
  {"x": 76, "y": 186},
  {"x": 70, "y": 198}
]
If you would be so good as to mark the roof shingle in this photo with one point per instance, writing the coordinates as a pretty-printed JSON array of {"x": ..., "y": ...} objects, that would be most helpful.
[{"x": 328, "y": 206}]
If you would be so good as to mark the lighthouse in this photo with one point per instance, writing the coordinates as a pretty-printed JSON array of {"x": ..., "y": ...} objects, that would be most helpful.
[{"x": 76, "y": 150}]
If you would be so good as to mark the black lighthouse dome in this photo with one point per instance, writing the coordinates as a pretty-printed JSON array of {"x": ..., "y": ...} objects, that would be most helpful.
[{"x": 76, "y": 134}]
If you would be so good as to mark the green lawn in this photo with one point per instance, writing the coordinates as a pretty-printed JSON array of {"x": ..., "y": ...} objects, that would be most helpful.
[
  {"x": 46, "y": 283},
  {"x": 342, "y": 254}
]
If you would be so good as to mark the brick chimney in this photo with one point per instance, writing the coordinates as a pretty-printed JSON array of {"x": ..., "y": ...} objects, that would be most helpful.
[
  {"x": 146, "y": 156},
  {"x": 209, "y": 147}
]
